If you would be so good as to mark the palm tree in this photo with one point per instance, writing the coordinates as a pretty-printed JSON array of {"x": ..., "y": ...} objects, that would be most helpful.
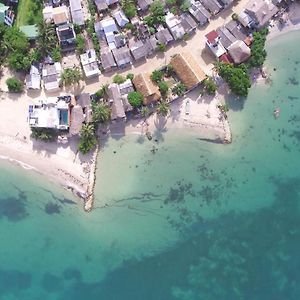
[
  {"x": 87, "y": 138},
  {"x": 101, "y": 113},
  {"x": 163, "y": 108},
  {"x": 47, "y": 39},
  {"x": 144, "y": 112},
  {"x": 70, "y": 76}
]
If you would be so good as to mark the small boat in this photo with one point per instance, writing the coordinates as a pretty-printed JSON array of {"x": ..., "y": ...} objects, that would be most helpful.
[
  {"x": 148, "y": 135},
  {"x": 187, "y": 107},
  {"x": 276, "y": 112}
]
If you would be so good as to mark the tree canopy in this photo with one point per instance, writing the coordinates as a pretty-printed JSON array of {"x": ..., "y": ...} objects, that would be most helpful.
[
  {"x": 87, "y": 138},
  {"x": 237, "y": 77},
  {"x": 163, "y": 108},
  {"x": 157, "y": 76},
  {"x": 101, "y": 112},
  {"x": 135, "y": 99},
  {"x": 14, "y": 85},
  {"x": 210, "y": 86},
  {"x": 157, "y": 14},
  {"x": 70, "y": 76},
  {"x": 129, "y": 8}
]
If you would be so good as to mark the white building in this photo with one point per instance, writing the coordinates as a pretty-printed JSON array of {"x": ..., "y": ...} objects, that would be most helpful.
[
  {"x": 77, "y": 12},
  {"x": 121, "y": 18},
  {"x": 90, "y": 64}
]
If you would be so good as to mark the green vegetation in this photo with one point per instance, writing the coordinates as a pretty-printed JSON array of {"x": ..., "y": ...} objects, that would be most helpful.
[
  {"x": 161, "y": 47},
  {"x": 77, "y": 28},
  {"x": 210, "y": 86},
  {"x": 236, "y": 77},
  {"x": 145, "y": 111},
  {"x": 130, "y": 26},
  {"x": 14, "y": 85},
  {"x": 169, "y": 70},
  {"x": 102, "y": 92},
  {"x": 56, "y": 54},
  {"x": 163, "y": 108},
  {"x": 129, "y": 8},
  {"x": 29, "y": 12},
  {"x": 101, "y": 113},
  {"x": 130, "y": 76},
  {"x": 118, "y": 79},
  {"x": 163, "y": 88},
  {"x": 92, "y": 7},
  {"x": 87, "y": 138},
  {"x": 157, "y": 14},
  {"x": 258, "y": 53},
  {"x": 135, "y": 99},
  {"x": 157, "y": 76},
  {"x": 234, "y": 17},
  {"x": 71, "y": 76},
  {"x": 47, "y": 40},
  {"x": 44, "y": 134},
  {"x": 223, "y": 108},
  {"x": 179, "y": 89},
  {"x": 174, "y": 5},
  {"x": 92, "y": 34},
  {"x": 80, "y": 44}
]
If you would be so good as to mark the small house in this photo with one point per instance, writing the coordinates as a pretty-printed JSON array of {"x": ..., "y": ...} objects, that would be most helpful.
[
  {"x": 144, "y": 84},
  {"x": 51, "y": 76},
  {"x": 89, "y": 63},
  {"x": 121, "y": 19},
  {"x": 7, "y": 16},
  {"x": 261, "y": 12},
  {"x": 31, "y": 32},
  {"x": 33, "y": 79},
  {"x": 77, "y": 119},
  {"x": 226, "y": 37},
  {"x": 60, "y": 15},
  {"x": 199, "y": 12},
  {"x": 214, "y": 44},
  {"x": 163, "y": 35},
  {"x": 115, "y": 98},
  {"x": 188, "y": 23},
  {"x": 66, "y": 36},
  {"x": 84, "y": 100},
  {"x": 239, "y": 52},
  {"x": 213, "y": 6},
  {"x": 143, "y": 5},
  {"x": 138, "y": 49},
  {"x": 125, "y": 88},
  {"x": 227, "y": 3},
  {"x": 107, "y": 59},
  {"x": 122, "y": 56},
  {"x": 246, "y": 20},
  {"x": 77, "y": 12},
  {"x": 101, "y": 5},
  {"x": 174, "y": 25},
  {"x": 152, "y": 43},
  {"x": 187, "y": 69},
  {"x": 236, "y": 29}
]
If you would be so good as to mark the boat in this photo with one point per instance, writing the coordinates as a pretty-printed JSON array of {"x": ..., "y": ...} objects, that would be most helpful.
[
  {"x": 276, "y": 112},
  {"x": 148, "y": 135},
  {"x": 187, "y": 107}
]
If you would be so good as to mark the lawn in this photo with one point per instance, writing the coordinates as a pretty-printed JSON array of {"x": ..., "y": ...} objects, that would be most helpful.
[{"x": 29, "y": 12}]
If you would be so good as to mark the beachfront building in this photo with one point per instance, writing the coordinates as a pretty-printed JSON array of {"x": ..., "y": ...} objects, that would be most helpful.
[
  {"x": 89, "y": 63},
  {"x": 187, "y": 69},
  {"x": 33, "y": 79},
  {"x": 239, "y": 52},
  {"x": 115, "y": 99},
  {"x": 53, "y": 113},
  {"x": 125, "y": 88},
  {"x": 199, "y": 12},
  {"x": 214, "y": 44},
  {"x": 66, "y": 36},
  {"x": 120, "y": 18},
  {"x": 7, "y": 16},
  {"x": 76, "y": 12},
  {"x": 51, "y": 76},
  {"x": 261, "y": 12},
  {"x": 107, "y": 59},
  {"x": 144, "y": 84}
]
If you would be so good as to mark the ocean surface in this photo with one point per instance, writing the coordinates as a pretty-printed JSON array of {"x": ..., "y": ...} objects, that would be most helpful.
[{"x": 193, "y": 220}]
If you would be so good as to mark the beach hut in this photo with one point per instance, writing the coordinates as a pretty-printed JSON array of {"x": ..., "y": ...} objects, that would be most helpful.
[
  {"x": 239, "y": 52},
  {"x": 187, "y": 69}
]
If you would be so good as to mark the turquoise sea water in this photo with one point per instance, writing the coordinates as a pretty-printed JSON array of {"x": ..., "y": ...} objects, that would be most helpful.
[{"x": 195, "y": 220}]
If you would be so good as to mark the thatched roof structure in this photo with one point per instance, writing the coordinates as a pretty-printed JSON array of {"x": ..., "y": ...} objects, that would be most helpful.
[
  {"x": 77, "y": 118},
  {"x": 187, "y": 69},
  {"x": 239, "y": 52},
  {"x": 145, "y": 85}
]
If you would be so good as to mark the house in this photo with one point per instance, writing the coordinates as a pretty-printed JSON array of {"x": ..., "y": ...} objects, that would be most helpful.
[
  {"x": 107, "y": 59},
  {"x": 246, "y": 20},
  {"x": 235, "y": 28},
  {"x": 89, "y": 63},
  {"x": 121, "y": 19},
  {"x": 227, "y": 3},
  {"x": 144, "y": 4},
  {"x": 261, "y": 12},
  {"x": 76, "y": 12},
  {"x": 138, "y": 49},
  {"x": 226, "y": 37},
  {"x": 66, "y": 36},
  {"x": 6, "y": 15},
  {"x": 53, "y": 113},
  {"x": 174, "y": 25},
  {"x": 122, "y": 56},
  {"x": 239, "y": 52},
  {"x": 152, "y": 43},
  {"x": 84, "y": 101},
  {"x": 214, "y": 44},
  {"x": 60, "y": 15},
  {"x": 199, "y": 12},
  {"x": 51, "y": 76},
  {"x": 188, "y": 23},
  {"x": 115, "y": 98},
  {"x": 163, "y": 35},
  {"x": 145, "y": 85},
  {"x": 101, "y": 5},
  {"x": 111, "y": 32},
  {"x": 213, "y": 6},
  {"x": 33, "y": 79},
  {"x": 31, "y": 31},
  {"x": 125, "y": 88},
  {"x": 187, "y": 69}
]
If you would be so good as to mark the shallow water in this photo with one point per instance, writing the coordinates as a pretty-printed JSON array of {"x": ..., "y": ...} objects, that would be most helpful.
[{"x": 194, "y": 220}]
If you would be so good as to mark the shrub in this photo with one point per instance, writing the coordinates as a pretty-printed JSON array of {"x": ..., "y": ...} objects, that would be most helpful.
[
  {"x": 161, "y": 47},
  {"x": 80, "y": 44},
  {"x": 179, "y": 89},
  {"x": 210, "y": 86},
  {"x": 43, "y": 134},
  {"x": 163, "y": 88},
  {"x": 130, "y": 76},
  {"x": 135, "y": 99},
  {"x": 234, "y": 17},
  {"x": 77, "y": 28},
  {"x": 14, "y": 85},
  {"x": 56, "y": 54},
  {"x": 129, "y": 8},
  {"x": 118, "y": 79},
  {"x": 129, "y": 26},
  {"x": 157, "y": 76}
]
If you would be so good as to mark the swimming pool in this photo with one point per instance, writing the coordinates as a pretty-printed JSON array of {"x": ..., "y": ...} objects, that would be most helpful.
[{"x": 63, "y": 117}]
